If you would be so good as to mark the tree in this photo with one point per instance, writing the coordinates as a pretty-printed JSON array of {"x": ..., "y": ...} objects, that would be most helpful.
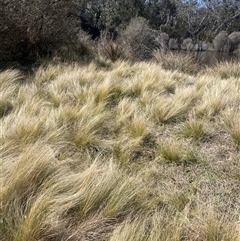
[
  {"x": 161, "y": 14},
  {"x": 224, "y": 15},
  {"x": 30, "y": 29}
]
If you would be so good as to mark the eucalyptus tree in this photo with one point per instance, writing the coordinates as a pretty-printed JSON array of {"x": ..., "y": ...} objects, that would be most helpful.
[
  {"x": 224, "y": 15},
  {"x": 109, "y": 14}
]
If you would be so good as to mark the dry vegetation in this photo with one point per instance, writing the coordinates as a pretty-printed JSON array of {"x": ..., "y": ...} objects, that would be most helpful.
[{"x": 121, "y": 153}]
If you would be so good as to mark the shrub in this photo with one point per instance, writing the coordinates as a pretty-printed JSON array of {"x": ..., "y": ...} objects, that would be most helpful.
[
  {"x": 138, "y": 39},
  {"x": 163, "y": 39},
  {"x": 173, "y": 44},
  {"x": 32, "y": 29},
  {"x": 180, "y": 62},
  {"x": 220, "y": 41},
  {"x": 108, "y": 48},
  {"x": 187, "y": 44},
  {"x": 234, "y": 39}
]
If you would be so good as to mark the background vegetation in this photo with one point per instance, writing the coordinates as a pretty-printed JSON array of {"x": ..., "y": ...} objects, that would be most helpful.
[
  {"x": 30, "y": 30},
  {"x": 107, "y": 136}
]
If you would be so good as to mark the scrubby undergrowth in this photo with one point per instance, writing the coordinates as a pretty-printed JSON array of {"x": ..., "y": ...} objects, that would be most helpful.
[{"x": 129, "y": 152}]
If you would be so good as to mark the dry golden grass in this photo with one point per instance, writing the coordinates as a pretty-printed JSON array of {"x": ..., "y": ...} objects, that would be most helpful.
[
  {"x": 122, "y": 152},
  {"x": 226, "y": 70},
  {"x": 177, "y": 61}
]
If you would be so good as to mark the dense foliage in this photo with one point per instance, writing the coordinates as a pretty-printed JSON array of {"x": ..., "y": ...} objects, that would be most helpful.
[{"x": 32, "y": 29}]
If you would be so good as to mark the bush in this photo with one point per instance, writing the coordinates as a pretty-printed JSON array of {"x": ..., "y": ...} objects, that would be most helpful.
[
  {"x": 220, "y": 41},
  {"x": 173, "y": 44},
  {"x": 187, "y": 44},
  {"x": 176, "y": 61},
  {"x": 33, "y": 29},
  {"x": 234, "y": 39},
  {"x": 138, "y": 39},
  {"x": 163, "y": 39},
  {"x": 109, "y": 49}
]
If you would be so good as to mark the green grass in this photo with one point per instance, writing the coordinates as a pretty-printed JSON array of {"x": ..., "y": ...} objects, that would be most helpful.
[{"x": 128, "y": 152}]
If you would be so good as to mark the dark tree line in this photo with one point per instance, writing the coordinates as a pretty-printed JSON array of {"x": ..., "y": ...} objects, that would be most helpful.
[
  {"x": 36, "y": 28},
  {"x": 176, "y": 17}
]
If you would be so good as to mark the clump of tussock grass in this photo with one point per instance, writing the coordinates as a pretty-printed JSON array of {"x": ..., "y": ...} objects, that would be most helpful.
[
  {"x": 84, "y": 125},
  {"x": 100, "y": 194},
  {"x": 25, "y": 132},
  {"x": 124, "y": 69},
  {"x": 136, "y": 87},
  {"x": 124, "y": 111},
  {"x": 9, "y": 86},
  {"x": 137, "y": 127},
  {"x": 85, "y": 132},
  {"x": 154, "y": 226},
  {"x": 54, "y": 98},
  {"x": 180, "y": 62},
  {"x": 23, "y": 181},
  {"x": 5, "y": 108},
  {"x": 194, "y": 128},
  {"x": 156, "y": 79},
  {"x": 9, "y": 77},
  {"x": 225, "y": 70},
  {"x": 109, "y": 91},
  {"x": 217, "y": 95},
  {"x": 24, "y": 129},
  {"x": 175, "y": 107},
  {"x": 232, "y": 124},
  {"x": 27, "y": 95},
  {"x": 127, "y": 150},
  {"x": 172, "y": 151},
  {"x": 45, "y": 74},
  {"x": 147, "y": 98},
  {"x": 212, "y": 227},
  {"x": 134, "y": 136},
  {"x": 170, "y": 86}
]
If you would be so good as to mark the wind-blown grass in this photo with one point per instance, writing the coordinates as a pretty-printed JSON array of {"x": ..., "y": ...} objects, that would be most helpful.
[{"x": 130, "y": 152}]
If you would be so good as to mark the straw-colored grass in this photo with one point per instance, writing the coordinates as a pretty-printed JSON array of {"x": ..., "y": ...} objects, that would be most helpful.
[
  {"x": 130, "y": 151},
  {"x": 193, "y": 128},
  {"x": 226, "y": 70},
  {"x": 172, "y": 61},
  {"x": 231, "y": 120}
]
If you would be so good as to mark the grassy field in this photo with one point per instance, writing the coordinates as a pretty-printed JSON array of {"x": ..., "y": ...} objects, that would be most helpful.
[{"x": 121, "y": 152}]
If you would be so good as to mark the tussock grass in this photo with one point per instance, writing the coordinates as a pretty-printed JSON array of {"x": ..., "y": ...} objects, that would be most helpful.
[
  {"x": 5, "y": 107},
  {"x": 181, "y": 62},
  {"x": 172, "y": 108},
  {"x": 231, "y": 121},
  {"x": 226, "y": 70},
  {"x": 193, "y": 128},
  {"x": 9, "y": 77},
  {"x": 172, "y": 151},
  {"x": 119, "y": 153},
  {"x": 217, "y": 95}
]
